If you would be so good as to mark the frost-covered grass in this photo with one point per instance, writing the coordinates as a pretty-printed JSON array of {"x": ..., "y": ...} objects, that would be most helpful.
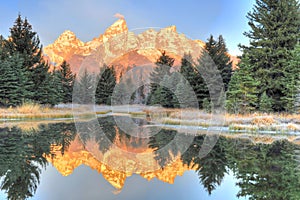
[{"x": 256, "y": 122}]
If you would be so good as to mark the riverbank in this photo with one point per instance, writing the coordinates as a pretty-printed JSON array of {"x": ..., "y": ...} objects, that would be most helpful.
[
  {"x": 193, "y": 119},
  {"x": 272, "y": 123}
]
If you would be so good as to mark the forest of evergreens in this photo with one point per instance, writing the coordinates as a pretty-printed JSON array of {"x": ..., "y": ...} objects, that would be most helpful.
[{"x": 267, "y": 78}]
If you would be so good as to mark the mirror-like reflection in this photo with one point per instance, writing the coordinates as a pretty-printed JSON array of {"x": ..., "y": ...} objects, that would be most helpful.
[
  {"x": 23, "y": 154},
  {"x": 261, "y": 171}
]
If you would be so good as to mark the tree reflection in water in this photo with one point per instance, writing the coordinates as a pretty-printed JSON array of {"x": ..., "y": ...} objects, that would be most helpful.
[
  {"x": 22, "y": 156},
  {"x": 262, "y": 171}
]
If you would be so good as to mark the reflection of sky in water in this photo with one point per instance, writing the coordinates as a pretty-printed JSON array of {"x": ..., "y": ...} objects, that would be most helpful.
[
  {"x": 86, "y": 183},
  {"x": 242, "y": 156}
]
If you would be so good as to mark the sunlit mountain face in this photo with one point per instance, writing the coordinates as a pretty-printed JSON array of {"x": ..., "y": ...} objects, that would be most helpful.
[
  {"x": 259, "y": 170},
  {"x": 122, "y": 48}
]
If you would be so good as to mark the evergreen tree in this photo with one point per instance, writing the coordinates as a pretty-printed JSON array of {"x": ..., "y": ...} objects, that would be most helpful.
[
  {"x": 265, "y": 104},
  {"x": 84, "y": 88},
  {"x": 297, "y": 102},
  {"x": 185, "y": 94},
  {"x": 166, "y": 95},
  {"x": 50, "y": 91},
  {"x": 218, "y": 52},
  {"x": 43, "y": 80},
  {"x": 124, "y": 91},
  {"x": 274, "y": 33},
  {"x": 14, "y": 83},
  {"x": 24, "y": 41},
  {"x": 292, "y": 82},
  {"x": 212, "y": 86},
  {"x": 242, "y": 93},
  {"x": 106, "y": 85},
  {"x": 67, "y": 79},
  {"x": 206, "y": 105},
  {"x": 57, "y": 91},
  {"x": 164, "y": 63},
  {"x": 194, "y": 78}
]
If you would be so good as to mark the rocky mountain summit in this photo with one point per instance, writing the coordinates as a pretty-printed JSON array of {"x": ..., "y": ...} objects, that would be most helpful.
[{"x": 121, "y": 47}]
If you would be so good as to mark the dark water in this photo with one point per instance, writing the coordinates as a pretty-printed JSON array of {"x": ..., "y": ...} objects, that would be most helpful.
[{"x": 32, "y": 163}]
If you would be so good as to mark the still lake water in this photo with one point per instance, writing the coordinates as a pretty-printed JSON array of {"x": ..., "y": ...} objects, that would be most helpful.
[{"x": 63, "y": 160}]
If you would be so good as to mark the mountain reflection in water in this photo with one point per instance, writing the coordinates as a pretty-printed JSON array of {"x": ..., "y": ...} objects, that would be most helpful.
[{"x": 261, "y": 171}]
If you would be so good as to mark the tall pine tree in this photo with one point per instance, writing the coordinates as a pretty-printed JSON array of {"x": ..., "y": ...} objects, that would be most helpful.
[
  {"x": 106, "y": 85},
  {"x": 292, "y": 82},
  {"x": 50, "y": 91},
  {"x": 24, "y": 41},
  {"x": 14, "y": 83},
  {"x": 194, "y": 79},
  {"x": 274, "y": 33},
  {"x": 67, "y": 79},
  {"x": 212, "y": 87},
  {"x": 84, "y": 88},
  {"x": 242, "y": 94},
  {"x": 164, "y": 63},
  {"x": 218, "y": 52}
]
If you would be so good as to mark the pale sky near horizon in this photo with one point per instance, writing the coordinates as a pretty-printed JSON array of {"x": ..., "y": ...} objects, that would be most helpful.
[{"x": 197, "y": 19}]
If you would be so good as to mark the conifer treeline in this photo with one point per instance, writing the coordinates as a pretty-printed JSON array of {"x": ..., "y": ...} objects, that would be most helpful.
[
  {"x": 267, "y": 78},
  {"x": 186, "y": 88},
  {"x": 189, "y": 88},
  {"x": 24, "y": 74}
]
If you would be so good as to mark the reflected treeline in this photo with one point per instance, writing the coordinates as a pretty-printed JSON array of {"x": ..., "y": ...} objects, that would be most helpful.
[
  {"x": 159, "y": 141},
  {"x": 106, "y": 132},
  {"x": 262, "y": 171},
  {"x": 212, "y": 168},
  {"x": 22, "y": 156}
]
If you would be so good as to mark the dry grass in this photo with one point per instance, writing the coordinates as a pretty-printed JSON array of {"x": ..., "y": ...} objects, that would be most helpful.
[
  {"x": 30, "y": 108},
  {"x": 36, "y": 111},
  {"x": 279, "y": 123},
  {"x": 184, "y": 114},
  {"x": 293, "y": 127},
  {"x": 263, "y": 120},
  {"x": 171, "y": 121}
]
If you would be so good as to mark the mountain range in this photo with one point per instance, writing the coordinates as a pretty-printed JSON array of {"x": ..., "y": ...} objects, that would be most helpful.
[{"x": 121, "y": 47}]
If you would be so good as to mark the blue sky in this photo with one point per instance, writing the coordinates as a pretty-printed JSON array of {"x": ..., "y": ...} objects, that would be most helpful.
[{"x": 88, "y": 18}]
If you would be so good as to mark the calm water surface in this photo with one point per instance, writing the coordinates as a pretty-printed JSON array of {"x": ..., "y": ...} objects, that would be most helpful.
[{"x": 67, "y": 161}]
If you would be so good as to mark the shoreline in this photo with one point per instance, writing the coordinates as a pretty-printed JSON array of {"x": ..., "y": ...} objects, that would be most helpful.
[{"x": 256, "y": 123}]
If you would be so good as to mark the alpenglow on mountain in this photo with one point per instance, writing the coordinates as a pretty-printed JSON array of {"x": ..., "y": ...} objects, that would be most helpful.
[{"x": 122, "y": 47}]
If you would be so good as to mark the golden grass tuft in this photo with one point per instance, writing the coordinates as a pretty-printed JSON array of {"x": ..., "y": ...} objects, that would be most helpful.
[
  {"x": 263, "y": 120},
  {"x": 293, "y": 127},
  {"x": 263, "y": 139},
  {"x": 29, "y": 108}
]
